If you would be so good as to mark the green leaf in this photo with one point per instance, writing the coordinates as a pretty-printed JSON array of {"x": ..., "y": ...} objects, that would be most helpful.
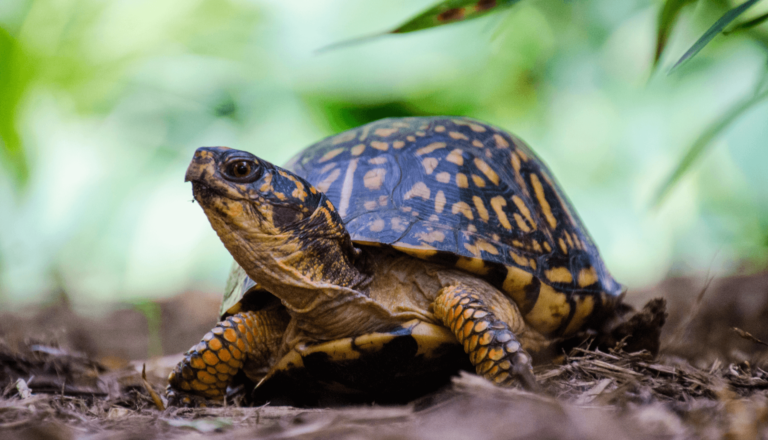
[
  {"x": 667, "y": 18},
  {"x": 452, "y": 11},
  {"x": 747, "y": 24},
  {"x": 445, "y": 12},
  {"x": 700, "y": 145},
  {"x": 712, "y": 32},
  {"x": 12, "y": 86}
]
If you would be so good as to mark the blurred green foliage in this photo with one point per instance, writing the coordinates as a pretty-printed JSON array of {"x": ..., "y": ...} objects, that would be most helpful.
[{"x": 110, "y": 99}]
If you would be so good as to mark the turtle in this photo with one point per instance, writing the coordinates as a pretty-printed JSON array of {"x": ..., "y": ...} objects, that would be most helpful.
[{"x": 381, "y": 260}]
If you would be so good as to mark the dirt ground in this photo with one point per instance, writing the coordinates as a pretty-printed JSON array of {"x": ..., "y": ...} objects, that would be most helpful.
[{"x": 73, "y": 375}]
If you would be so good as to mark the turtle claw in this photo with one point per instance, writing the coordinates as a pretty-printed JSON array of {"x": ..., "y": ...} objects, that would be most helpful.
[
  {"x": 187, "y": 400},
  {"x": 521, "y": 370}
]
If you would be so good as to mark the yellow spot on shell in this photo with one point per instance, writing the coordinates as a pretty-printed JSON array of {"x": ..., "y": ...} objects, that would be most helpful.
[
  {"x": 344, "y": 137},
  {"x": 443, "y": 177},
  {"x": 377, "y": 225},
  {"x": 326, "y": 183},
  {"x": 563, "y": 247},
  {"x": 326, "y": 168},
  {"x": 371, "y": 205},
  {"x": 377, "y": 160},
  {"x": 331, "y": 154},
  {"x": 384, "y": 132},
  {"x": 584, "y": 307},
  {"x": 422, "y": 251},
  {"x": 549, "y": 311},
  {"x": 498, "y": 203},
  {"x": 410, "y": 139},
  {"x": 519, "y": 260},
  {"x": 521, "y": 223},
  {"x": 461, "y": 180},
  {"x": 477, "y": 143},
  {"x": 463, "y": 208},
  {"x": 486, "y": 169},
  {"x": 559, "y": 275},
  {"x": 398, "y": 144},
  {"x": 439, "y": 202},
  {"x": 479, "y": 182},
  {"x": 547, "y": 246},
  {"x": 477, "y": 128},
  {"x": 587, "y": 277},
  {"x": 474, "y": 265},
  {"x": 398, "y": 224},
  {"x": 524, "y": 210},
  {"x": 419, "y": 189},
  {"x": 429, "y": 164},
  {"x": 374, "y": 178},
  {"x": 500, "y": 141},
  {"x": 431, "y": 237},
  {"x": 568, "y": 238},
  {"x": 515, "y": 283},
  {"x": 515, "y": 162},
  {"x": 346, "y": 189},
  {"x": 543, "y": 203},
  {"x": 481, "y": 210},
  {"x": 381, "y": 146},
  {"x": 481, "y": 245},
  {"x": 456, "y": 157},
  {"x": 357, "y": 149},
  {"x": 439, "y": 129},
  {"x": 458, "y": 136},
  {"x": 430, "y": 148}
]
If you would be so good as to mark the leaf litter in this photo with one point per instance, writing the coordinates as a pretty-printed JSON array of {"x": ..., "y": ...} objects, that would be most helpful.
[{"x": 51, "y": 391}]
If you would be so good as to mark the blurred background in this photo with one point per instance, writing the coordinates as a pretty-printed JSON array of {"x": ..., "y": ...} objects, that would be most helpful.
[{"x": 103, "y": 102}]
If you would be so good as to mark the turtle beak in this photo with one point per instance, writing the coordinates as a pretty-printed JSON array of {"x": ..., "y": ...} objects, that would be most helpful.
[{"x": 203, "y": 162}]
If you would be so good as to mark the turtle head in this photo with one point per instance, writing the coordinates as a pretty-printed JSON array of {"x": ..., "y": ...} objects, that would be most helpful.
[
  {"x": 274, "y": 223},
  {"x": 250, "y": 193}
]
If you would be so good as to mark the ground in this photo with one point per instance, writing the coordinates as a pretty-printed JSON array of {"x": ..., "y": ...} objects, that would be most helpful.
[{"x": 65, "y": 375}]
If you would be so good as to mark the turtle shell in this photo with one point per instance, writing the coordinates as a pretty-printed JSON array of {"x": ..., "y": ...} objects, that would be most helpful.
[{"x": 466, "y": 194}]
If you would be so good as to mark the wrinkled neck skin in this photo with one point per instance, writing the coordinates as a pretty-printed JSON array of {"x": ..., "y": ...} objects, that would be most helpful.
[{"x": 314, "y": 269}]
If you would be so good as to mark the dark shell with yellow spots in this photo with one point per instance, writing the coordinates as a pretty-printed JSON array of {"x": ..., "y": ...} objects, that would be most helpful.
[{"x": 466, "y": 194}]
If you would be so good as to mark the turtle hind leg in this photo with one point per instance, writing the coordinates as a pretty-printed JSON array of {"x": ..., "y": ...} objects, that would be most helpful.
[
  {"x": 490, "y": 342},
  {"x": 245, "y": 340}
]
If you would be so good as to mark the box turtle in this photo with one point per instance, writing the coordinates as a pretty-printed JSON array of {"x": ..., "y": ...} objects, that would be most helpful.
[{"x": 381, "y": 260}]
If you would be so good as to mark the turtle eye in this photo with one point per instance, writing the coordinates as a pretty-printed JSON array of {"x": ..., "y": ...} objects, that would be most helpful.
[{"x": 241, "y": 169}]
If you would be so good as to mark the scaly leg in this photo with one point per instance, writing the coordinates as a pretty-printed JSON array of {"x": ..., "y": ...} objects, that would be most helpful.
[
  {"x": 490, "y": 342},
  {"x": 247, "y": 340}
]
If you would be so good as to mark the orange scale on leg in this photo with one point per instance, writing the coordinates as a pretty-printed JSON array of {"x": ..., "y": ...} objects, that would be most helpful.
[
  {"x": 199, "y": 386},
  {"x": 230, "y": 335},
  {"x": 224, "y": 355},
  {"x": 197, "y": 362},
  {"x": 210, "y": 358},
  {"x": 214, "y": 344},
  {"x": 205, "y": 377}
]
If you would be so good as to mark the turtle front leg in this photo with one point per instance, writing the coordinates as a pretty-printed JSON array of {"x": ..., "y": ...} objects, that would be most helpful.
[
  {"x": 489, "y": 340},
  {"x": 246, "y": 340}
]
